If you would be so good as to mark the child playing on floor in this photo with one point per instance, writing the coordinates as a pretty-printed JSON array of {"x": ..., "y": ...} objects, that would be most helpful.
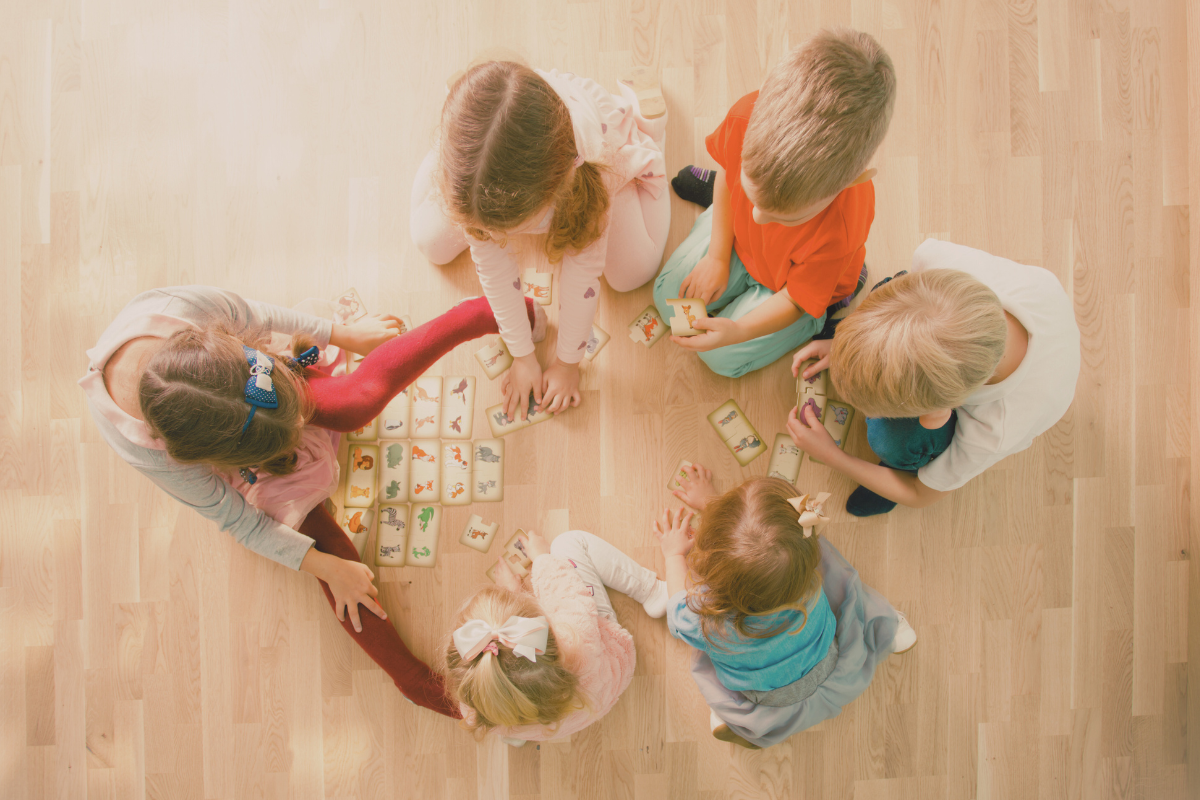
[
  {"x": 536, "y": 667},
  {"x": 783, "y": 242},
  {"x": 186, "y": 387},
  {"x": 785, "y": 632},
  {"x": 523, "y": 151},
  {"x": 955, "y": 365}
]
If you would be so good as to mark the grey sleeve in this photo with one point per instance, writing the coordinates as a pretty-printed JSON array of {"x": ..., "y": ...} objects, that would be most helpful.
[{"x": 200, "y": 303}]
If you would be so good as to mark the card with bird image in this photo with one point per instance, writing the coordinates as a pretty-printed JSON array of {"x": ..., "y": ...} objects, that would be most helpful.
[
  {"x": 538, "y": 286},
  {"x": 456, "y": 473},
  {"x": 424, "y": 525},
  {"x": 362, "y": 462},
  {"x": 648, "y": 327},
  {"x": 487, "y": 482},
  {"x": 393, "y": 472},
  {"x": 687, "y": 311},
  {"x": 356, "y": 522},
  {"x": 458, "y": 407},
  {"x": 391, "y": 540},
  {"x": 494, "y": 358},
  {"x": 394, "y": 421},
  {"x": 786, "y": 458},
  {"x": 478, "y": 535}
]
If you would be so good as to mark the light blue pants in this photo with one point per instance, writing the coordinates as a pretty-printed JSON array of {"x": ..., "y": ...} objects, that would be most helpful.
[{"x": 742, "y": 295}]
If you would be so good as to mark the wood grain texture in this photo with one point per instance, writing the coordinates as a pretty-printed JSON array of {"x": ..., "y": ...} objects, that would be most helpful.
[{"x": 269, "y": 147}]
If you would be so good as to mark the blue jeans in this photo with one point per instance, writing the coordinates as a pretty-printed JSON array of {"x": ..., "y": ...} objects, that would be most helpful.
[
  {"x": 905, "y": 444},
  {"x": 742, "y": 295}
]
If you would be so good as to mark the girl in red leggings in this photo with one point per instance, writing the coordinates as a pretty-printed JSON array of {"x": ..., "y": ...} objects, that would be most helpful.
[{"x": 186, "y": 386}]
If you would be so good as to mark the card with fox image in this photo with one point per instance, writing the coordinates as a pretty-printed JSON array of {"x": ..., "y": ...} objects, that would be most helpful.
[
  {"x": 425, "y": 471},
  {"x": 687, "y": 311},
  {"x": 458, "y": 407},
  {"x": 596, "y": 341},
  {"x": 426, "y": 397},
  {"x": 356, "y": 522},
  {"x": 393, "y": 472},
  {"x": 538, "y": 286},
  {"x": 838, "y": 417},
  {"x": 391, "y": 538},
  {"x": 367, "y": 433},
  {"x": 424, "y": 525},
  {"x": 362, "y": 467},
  {"x": 494, "y": 358},
  {"x": 487, "y": 480},
  {"x": 348, "y": 307},
  {"x": 786, "y": 458},
  {"x": 456, "y": 473},
  {"x": 394, "y": 422},
  {"x": 647, "y": 328},
  {"x": 478, "y": 535}
]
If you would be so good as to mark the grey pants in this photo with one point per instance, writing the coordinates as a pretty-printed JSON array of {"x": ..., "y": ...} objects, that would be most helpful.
[{"x": 799, "y": 690}]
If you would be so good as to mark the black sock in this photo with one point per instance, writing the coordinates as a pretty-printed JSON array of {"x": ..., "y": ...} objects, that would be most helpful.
[
  {"x": 695, "y": 184},
  {"x": 865, "y": 503}
]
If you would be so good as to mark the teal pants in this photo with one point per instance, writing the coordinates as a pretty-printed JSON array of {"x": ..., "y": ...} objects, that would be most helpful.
[{"x": 742, "y": 295}]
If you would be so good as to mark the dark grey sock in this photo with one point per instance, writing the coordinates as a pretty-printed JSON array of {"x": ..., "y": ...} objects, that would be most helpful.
[
  {"x": 865, "y": 503},
  {"x": 695, "y": 184}
]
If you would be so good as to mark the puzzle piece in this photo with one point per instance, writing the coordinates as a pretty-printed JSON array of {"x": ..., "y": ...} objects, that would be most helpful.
[
  {"x": 648, "y": 327},
  {"x": 478, "y": 535},
  {"x": 730, "y": 423},
  {"x": 838, "y": 417},
  {"x": 458, "y": 407},
  {"x": 786, "y": 458},
  {"x": 456, "y": 473},
  {"x": 487, "y": 482},
  {"x": 362, "y": 466},
  {"x": 394, "y": 422},
  {"x": 392, "y": 538},
  {"x": 494, "y": 359},
  {"x": 356, "y": 522},
  {"x": 538, "y": 286},
  {"x": 687, "y": 311},
  {"x": 596, "y": 341},
  {"x": 424, "y": 525},
  {"x": 426, "y": 396},
  {"x": 502, "y": 424},
  {"x": 394, "y": 486},
  {"x": 348, "y": 307},
  {"x": 367, "y": 433},
  {"x": 515, "y": 554},
  {"x": 425, "y": 471}
]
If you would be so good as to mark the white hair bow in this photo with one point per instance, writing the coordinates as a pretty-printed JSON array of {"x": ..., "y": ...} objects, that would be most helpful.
[
  {"x": 812, "y": 511},
  {"x": 525, "y": 636}
]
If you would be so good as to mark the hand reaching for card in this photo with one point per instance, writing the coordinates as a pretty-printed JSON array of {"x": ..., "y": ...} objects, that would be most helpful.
[
  {"x": 524, "y": 377},
  {"x": 366, "y": 334},
  {"x": 674, "y": 532},
  {"x": 697, "y": 486},
  {"x": 560, "y": 387},
  {"x": 810, "y": 435},
  {"x": 707, "y": 280},
  {"x": 818, "y": 349},
  {"x": 506, "y": 578}
]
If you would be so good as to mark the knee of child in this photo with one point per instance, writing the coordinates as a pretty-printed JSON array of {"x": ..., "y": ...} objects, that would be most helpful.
[
  {"x": 437, "y": 249},
  {"x": 567, "y": 541},
  {"x": 720, "y": 364}
]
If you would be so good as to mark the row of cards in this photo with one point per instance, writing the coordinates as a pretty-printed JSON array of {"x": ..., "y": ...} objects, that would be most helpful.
[
  {"x": 427, "y": 470},
  {"x": 647, "y": 328},
  {"x": 430, "y": 407}
]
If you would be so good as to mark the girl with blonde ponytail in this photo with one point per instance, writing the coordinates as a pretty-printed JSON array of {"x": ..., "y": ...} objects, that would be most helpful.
[{"x": 523, "y": 151}]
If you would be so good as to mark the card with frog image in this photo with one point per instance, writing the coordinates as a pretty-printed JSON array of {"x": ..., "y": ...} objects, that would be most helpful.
[
  {"x": 362, "y": 467},
  {"x": 391, "y": 541},
  {"x": 494, "y": 358}
]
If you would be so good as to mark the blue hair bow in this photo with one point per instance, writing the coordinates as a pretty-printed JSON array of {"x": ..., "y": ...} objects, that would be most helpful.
[
  {"x": 260, "y": 389},
  {"x": 309, "y": 357}
]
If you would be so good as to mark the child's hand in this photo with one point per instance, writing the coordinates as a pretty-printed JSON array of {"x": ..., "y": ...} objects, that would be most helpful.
[
  {"x": 810, "y": 435},
  {"x": 366, "y": 334},
  {"x": 707, "y": 280},
  {"x": 674, "y": 532},
  {"x": 560, "y": 387},
  {"x": 697, "y": 486},
  {"x": 818, "y": 349},
  {"x": 538, "y": 546},
  {"x": 507, "y": 579},
  {"x": 523, "y": 377},
  {"x": 718, "y": 332}
]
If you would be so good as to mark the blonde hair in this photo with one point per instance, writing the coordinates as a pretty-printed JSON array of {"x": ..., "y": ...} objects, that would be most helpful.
[
  {"x": 821, "y": 114},
  {"x": 919, "y": 343},
  {"x": 192, "y": 397},
  {"x": 509, "y": 689},
  {"x": 752, "y": 559},
  {"x": 508, "y": 150}
]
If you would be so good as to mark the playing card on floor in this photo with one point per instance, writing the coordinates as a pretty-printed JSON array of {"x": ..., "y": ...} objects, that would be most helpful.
[{"x": 648, "y": 328}]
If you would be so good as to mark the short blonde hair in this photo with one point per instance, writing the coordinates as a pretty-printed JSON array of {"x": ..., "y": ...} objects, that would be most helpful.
[
  {"x": 919, "y": 343},
  {"x": 820, "y": 116},
  {"x": 509, "y": 689}
]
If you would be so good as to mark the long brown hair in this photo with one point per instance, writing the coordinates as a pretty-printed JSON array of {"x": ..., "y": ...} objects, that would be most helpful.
[
  {"x": 752, "y": 560},
  {"x": 508, "y": 150},
  {"x": 509, "y": 689},
  {"x": 192, "y": 396}
]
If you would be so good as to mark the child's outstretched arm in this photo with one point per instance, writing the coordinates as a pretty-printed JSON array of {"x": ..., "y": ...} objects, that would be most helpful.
[
  {"x": 896, "y": 485},
  {"x": 709, "y": 278},
  {"x": 674, "y": 532}
]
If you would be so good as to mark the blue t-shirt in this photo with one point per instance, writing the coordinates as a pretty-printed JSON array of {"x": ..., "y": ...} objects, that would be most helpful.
[{"x": 760, "y": 664}]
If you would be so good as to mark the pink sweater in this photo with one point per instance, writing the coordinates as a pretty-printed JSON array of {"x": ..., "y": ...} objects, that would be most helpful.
[{"x": 597, "y": 649}]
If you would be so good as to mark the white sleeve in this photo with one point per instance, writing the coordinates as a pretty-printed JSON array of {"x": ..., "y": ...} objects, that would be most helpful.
[
  {"x": 207, "y": 302},
  {"x": 501, "y": 280},
  {"x": 578, "y": 295}
]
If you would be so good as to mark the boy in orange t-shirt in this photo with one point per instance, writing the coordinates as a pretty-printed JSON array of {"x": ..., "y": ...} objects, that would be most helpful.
[{"x": 792, "y": 204}]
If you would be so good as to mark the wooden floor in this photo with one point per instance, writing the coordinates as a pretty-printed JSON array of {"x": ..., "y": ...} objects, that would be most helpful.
[{"x": 269, "y": 147}]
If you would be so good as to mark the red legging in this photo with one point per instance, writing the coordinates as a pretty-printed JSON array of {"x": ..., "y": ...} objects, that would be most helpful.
[{"x": 346, "y": 403}]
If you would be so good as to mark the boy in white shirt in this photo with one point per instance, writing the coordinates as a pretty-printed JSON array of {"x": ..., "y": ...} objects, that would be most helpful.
[{"x": 956, "y": 365}]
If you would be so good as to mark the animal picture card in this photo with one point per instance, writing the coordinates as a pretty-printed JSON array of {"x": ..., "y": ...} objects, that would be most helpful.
[
  {"x": 478, "y": 534},
  {"x": 394, "y": 421},
  {"x": 678, "y": 476},
  {"x": 596, "y": 341},
  {"x": 838, "y": 417},
  {"x": 367, "y": 433},
  {"x": 424, "y": 524},
  {"x": 456, "y": 473},
  {"x": 356, "y": 522},
  {"x": 391, "y": 540},
  {"x": 730, "y": 423},
  {"x": 362, "y": 461},
  {"x": 426, "y": 395},
  {"x": 516, "y": 553},
  {"x": 785, "y": 459},
  {"x": 494, "y": 359},
  {"x": 648, "y": 328},
  {"x": 487, "y": 483},
  {"x": 406, "y": 324},
  {"x": 817, "y": 384},
  {"x": 425, "y": 471},
  {"x": 393, "y": 472},
  {"x": 348, "y": 307},
  {"x": 502, "y": 424},
  {"x": 458, "y": 407},
  {"x": 538, "y": 286},
  {"x": 687, "y": 310}
]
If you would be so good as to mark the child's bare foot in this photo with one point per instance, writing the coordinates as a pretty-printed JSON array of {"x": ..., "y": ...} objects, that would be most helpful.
[
  {"x": 645, "y": 85},
  {"x": 697, "y": 486}
]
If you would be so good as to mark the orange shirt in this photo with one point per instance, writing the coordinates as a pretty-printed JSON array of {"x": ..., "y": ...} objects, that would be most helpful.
[{"x": 818, "y": 261}]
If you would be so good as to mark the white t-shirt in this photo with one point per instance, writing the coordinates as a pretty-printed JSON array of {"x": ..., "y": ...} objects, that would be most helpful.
[{"x": 1001, "y": 419}]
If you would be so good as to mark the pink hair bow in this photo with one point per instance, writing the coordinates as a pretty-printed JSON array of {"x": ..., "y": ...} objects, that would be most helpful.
[
  {"x": 812, "y": 511},
  {"x": 525, "y": 636}
]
